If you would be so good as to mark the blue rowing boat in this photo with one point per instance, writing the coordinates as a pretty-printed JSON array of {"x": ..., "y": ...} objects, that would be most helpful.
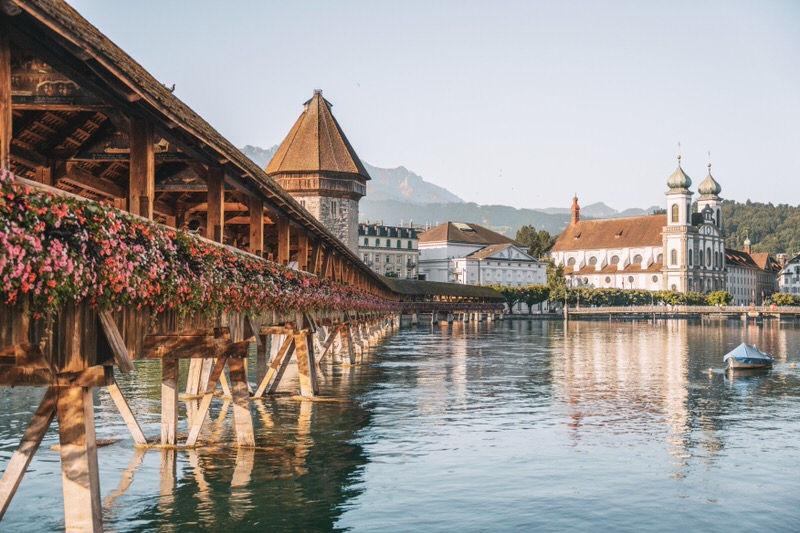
[{"x": 745, "y": 356}]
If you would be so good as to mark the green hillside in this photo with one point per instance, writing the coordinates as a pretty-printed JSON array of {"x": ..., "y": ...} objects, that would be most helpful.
[{"x": 772, "y": 228}]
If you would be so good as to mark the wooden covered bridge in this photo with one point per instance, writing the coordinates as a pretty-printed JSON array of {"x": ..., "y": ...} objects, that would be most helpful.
[{"x": 131, "y": 230}]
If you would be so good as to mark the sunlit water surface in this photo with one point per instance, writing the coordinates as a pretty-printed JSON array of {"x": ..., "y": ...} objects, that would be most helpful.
[{"x": 515, "y": 426}]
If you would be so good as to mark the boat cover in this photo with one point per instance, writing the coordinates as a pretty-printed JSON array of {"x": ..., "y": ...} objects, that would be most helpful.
[{"x": 749, "y": 352}]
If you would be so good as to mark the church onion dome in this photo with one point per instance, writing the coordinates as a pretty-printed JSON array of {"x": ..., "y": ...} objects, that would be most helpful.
[
  {"x": 709, "y": 187},
  {"x": 679, "y": 179}
]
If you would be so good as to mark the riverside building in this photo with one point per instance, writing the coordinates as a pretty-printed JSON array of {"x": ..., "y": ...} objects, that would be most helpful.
[{"x": 392, "y": 251}]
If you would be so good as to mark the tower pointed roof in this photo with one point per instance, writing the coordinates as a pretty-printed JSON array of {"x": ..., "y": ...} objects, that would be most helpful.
[
  {"x": 316, "y": 143},
  {"x": 709, "y": 187}
]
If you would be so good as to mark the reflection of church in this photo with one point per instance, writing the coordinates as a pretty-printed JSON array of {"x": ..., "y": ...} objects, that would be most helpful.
[{"x": 679, "y": 250}]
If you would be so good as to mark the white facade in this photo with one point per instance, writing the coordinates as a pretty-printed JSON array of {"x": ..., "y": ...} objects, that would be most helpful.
[{"x": 789, "y": 277}]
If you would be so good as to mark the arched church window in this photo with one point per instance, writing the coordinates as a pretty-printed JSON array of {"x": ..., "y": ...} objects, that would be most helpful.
[
  {"x": 708, "y": 257},
  {"x": 571, "y": 261},
  {"x": 592, "y": 260},
  {"x": 630, "y": 279},
  {"x": 377, "y": 242},
  {"x": 675, "y": 211},
  {"x": 655, "y": 279},
  {"x": 637, "y": 258},
  {"x": 701, "y": 258},
  {"x": 388, "y": 243},
  {"x": 660, "y": 258},
  {"x": 614, "y": 259},
  {"x": 690, "y": 258},
  {"x": 608, "y": 279},
  {"x": 673, "y": 257},
  {"x": 674, "y": 288}
]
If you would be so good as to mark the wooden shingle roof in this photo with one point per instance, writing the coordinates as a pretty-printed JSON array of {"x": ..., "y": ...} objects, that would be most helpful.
[
  {"x": 464, "y": 233},
  {"x": 612, "y": 233},
  {"x": 413, "y": 287},
  {"x": 316, "y": 143}
]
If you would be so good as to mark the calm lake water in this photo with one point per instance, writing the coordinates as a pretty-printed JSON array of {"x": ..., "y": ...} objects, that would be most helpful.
[{"x": 511, "y": 426}]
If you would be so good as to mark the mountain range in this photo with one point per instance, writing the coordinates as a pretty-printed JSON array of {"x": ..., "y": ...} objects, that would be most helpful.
[{"x": 398, "y": 196}]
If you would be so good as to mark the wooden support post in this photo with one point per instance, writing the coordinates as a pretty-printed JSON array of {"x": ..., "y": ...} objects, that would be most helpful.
[
  {"x": 302, "y": 252},
  {"x": 276, "y": 368},
  {"x": 33, "y": 436},
  {"x": 215, "y": 218},
  {"x": 205, "y": 403},
  {"x": 241, "y": 403},
  {"x": 256, "y": 207},
  {"x": 142, "y": 183},
  {"x": 305, "y": 365},
  {"x": 284, "y": 240},
  {"x": 169, "y": 402},
  {"x": 326, "y": 263},
  {"x": 125, "y": 411},
  {"x": 79, "y": 472},
  {"x": 194, "y": 377},
  {"x": 314, "y": 261},
  {"x": 350, "y": 348},
  {"x": 6, "y": 117},
  {"x": 115, "y": 341}
]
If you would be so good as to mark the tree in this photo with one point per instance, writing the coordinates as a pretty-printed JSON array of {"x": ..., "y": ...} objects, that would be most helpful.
[
  {"x": 534, "y": 294},
  {"x": 781, "y": 298},
  {"x": 538, "y": 242},
  {"x": 556, "y": 282},
  {"x": 511, "y": 295},
  {"x": 719, "y": 298}
]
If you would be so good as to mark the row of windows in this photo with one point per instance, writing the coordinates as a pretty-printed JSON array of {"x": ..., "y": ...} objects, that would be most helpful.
[
  {"x": 637, "y": 259},
  {"x": 398, "y": 243},
  {"x": 716, "y": 258}
]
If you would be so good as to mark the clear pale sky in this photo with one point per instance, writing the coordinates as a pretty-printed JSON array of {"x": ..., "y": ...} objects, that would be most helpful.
[{"x": 501, "y": 102}]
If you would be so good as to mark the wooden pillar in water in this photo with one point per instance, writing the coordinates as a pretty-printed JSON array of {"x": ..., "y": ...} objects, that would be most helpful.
[
  {"x": 305, "y": 365},
  {"x": 241, "y": 403},
  {"x": 79, "y": 472},
  {"x": 169, "y": 402}
]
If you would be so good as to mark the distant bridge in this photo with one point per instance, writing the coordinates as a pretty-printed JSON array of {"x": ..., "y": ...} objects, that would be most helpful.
[{"x": 665, "y": 311}]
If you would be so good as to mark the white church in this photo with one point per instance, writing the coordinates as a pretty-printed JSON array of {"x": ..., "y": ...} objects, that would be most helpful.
[{"x": 680, "y": 250}]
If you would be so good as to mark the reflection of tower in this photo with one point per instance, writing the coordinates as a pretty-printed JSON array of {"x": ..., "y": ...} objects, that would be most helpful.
[{"x": 317, "y": 165}]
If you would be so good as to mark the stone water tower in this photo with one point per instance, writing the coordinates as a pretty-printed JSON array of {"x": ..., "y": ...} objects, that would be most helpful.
[{"x": 316, "y": 164}]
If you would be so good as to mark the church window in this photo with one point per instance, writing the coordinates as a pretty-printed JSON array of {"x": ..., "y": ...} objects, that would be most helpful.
[
  {"x": 614, "y": 259},
  {"x": 377, "y": 242},
  {"x": 708, "y": 257},
  {"x": 674, "y": 288},
  {"x": 660, "y": 258},
  {"x": 675, "y": 210},
  {"x": 592, "y": 260},
  {"x": 637, "y": 258},
  {"x": 655, "y": 279},
  {"x": 571, "y": 261},
  {"x": 673, "y": 257},
  {"x": 701, "y": 258},
  {"x": 608, "y": 279},
  {"x": 690, "y": 257},
  {"x": 388, "y": 243},
  {"x": 630, "y": 279}
]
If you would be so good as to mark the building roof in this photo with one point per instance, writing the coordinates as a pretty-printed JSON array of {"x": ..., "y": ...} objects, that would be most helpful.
[
  {"x": 492, "y": 249},
  {"x": 316, "y": 143},
  {"x": 635, "y": 268},
  {"x": 413, "y": 287},
  {"x": 709, "y": 188},
  {"x": 379, "y": 230},
  {"x": 679, "y": 180},
  {"x": 461, "y": 232},
  {"x": 629, "y": 232}
]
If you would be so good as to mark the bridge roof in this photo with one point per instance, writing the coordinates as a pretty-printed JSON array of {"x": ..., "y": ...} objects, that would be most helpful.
[{"x": 413, "y": 287}]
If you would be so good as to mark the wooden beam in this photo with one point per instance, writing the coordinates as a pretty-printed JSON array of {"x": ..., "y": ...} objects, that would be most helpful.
[
  {"x": 215, "y": 221},
  {"x": 277, "y": 367},
  {"x": 302, "y": 252},
  {"x": 326, "y": 262},
  {"x": 205, "y": 403},
  {"x": 6, "y": 116},
  {"x": 94, "y": 376},
  {"x": 141, "y": 187},
  {"x": 305, "y": 365},
  {"x": 31, "y": 439},
  {"x": 116, "y": 342},
  {"x": 204, "y": 206},
  {"x": 284, "y": 240},
  {"x": 125, "y": 411},
  {"x": 191, "y": 346},
  {"x": 80, "y": 476},
  {"x": 256, "y": 226},
  {"x": 314, "y": 259},
  {"x": 72, "y": 173}
]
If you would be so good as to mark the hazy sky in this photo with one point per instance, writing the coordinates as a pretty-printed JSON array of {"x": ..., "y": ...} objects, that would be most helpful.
[{"x": 516, "y": 103}]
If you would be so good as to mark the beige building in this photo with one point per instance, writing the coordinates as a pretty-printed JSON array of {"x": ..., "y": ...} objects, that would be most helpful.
[
  {"x": 392, "y": 251},
  {"x": 751, "y": 277}
]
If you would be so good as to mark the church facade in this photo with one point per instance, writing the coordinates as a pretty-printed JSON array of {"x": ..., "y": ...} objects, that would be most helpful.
[{"x": 679, "y": 250}]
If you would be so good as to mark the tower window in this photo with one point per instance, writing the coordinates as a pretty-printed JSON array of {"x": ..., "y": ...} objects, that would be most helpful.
[
  {"x": 673, "y": 257},
  {"x": 334, "y": 208},
  {"x": 675, "y": 212}
]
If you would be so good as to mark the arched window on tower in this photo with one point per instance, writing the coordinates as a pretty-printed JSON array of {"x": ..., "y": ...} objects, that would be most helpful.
[
  {"x": 673, "y": 257},
  {"x": 675, "y": 212},
  {"x": 708, "y": 257}
]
